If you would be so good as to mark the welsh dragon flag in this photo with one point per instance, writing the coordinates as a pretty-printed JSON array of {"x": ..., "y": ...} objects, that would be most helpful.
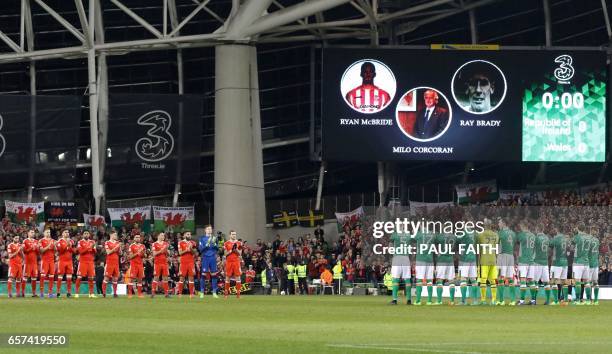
[
  {"x": 92, "y": 220},
  {"x": 129, "y": 217},
  {"x": 477, "y": 192},
  {"x": 177, "y": 219},
  {"x": 25, "y": 213}
]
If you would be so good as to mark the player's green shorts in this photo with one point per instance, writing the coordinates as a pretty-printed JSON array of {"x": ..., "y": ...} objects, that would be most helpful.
[{"x": 488, "y": 272}]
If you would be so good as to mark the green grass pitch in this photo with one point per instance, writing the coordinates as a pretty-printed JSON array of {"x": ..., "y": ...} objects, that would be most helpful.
[{"x": 305, "y": 324}]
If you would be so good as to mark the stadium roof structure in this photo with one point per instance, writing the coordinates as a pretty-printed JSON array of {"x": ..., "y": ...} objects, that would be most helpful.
[{"x": 95, "y": 47}]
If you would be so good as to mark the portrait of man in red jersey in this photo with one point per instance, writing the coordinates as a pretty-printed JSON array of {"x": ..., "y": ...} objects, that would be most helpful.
[{"x": 368, "y": 86}]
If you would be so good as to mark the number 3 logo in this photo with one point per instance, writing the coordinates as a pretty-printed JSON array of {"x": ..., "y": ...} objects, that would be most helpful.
[
  {"x": 158, "y": 143},
  {"x": 565, "y": 71},
  {"x": 2, "y": 141}
]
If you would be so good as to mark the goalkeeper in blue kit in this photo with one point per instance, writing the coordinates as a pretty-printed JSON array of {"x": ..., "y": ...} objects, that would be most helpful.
[{"x": 209, "y": 249}]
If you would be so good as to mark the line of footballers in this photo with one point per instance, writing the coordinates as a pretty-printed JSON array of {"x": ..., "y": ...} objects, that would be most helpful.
[
  {"x": 35, "y": 260},
  {"x": 541, "y": 260}
]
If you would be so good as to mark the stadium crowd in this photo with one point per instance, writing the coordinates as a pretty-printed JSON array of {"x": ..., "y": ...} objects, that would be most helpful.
[{"x": 320, "y": 254}]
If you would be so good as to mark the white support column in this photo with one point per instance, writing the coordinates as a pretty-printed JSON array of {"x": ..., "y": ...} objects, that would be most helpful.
[
  {"x": 236, "y": 180},
  {"x": 181, "y": 87},
  {"x": 33, "y": 108},
  {"x": 179, "y": 65},
  {"x": 93, "y": 111},
  {"x": 320, "y": 185},
  {"x": 541, "y": 175},
  {"x": 469, "y": 166},
  {"x": 259, "y": 192},
  {"x": 27, "y": 33},
  {"x": 102, "y": 102},
  {"x": 381, "y": 183},
  {"x": 604, "y": 7}
]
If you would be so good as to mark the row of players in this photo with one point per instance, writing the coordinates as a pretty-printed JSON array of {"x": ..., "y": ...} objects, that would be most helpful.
[
  {"x": 24, "y": 262},
  {"x": 540, "y": 259}
]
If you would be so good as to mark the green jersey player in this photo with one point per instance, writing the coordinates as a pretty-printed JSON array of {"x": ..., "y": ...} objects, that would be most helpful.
[
  {"x": 593, "y": 268},
  {"x": 400, "y": 266},
  {"x": 526, "y": 242},
  {"x": 466, "y": 246},
  {"x": 580, "y": 268},
  {"x": 445, "y": 265},
  {"x": 505, "y": 262},
  {"x": 424, "y": 266},
  {"x": 558, "y": 270},
  {"x": 542, "y": 252}
]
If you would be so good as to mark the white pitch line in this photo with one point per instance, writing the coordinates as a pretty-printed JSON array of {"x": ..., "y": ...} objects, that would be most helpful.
[{"x": 405, "y": 349}]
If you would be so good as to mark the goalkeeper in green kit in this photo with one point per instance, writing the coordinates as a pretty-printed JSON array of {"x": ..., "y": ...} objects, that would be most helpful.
[{"x": 400, "y": 267}]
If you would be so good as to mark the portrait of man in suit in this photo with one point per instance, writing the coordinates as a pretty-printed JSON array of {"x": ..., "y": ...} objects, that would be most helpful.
[{"x": 431, "y": 119}]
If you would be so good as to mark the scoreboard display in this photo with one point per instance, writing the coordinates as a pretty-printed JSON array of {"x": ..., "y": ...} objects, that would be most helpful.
[{"x": 405, "y": 104}]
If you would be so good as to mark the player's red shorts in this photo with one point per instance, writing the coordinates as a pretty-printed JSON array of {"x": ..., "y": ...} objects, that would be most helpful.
[
  {"x": 232, "y": 269},
  {"x": 136, "y": 271},
  {"x": 65, "y": 267},
  {"x": 31, "y": 270},
  {"x": 187, "y": 270},
  {"x": 160, "y": 270},
  {"x": 15, "y": 271},
  {"x": 86, "y": 269},
  {"x": 47, "y": 267},
  {"x": 111, "y": 270}
]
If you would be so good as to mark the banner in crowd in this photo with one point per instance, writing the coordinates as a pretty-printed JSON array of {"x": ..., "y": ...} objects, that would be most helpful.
[
  {"x": 312, "y": 219},
  {"x": 25, "y": 213},
  {"x": 423, "y": 208},
  {"x": 481, "y": 192},
  {"x": 176, "y": 219},
  {"x": 129, "y": 217},
  {"x": 154, "y": 137},
  {"x": 285, "y": 219},
  {"x": 38, "y": 140},
  {"x": 62, "y": 212},
  {"x": 349, "y": 219},
  {"x": 544, "y": 191},
  {"x": 508, "y": 194},
  {"x": 94, "y": 221}
]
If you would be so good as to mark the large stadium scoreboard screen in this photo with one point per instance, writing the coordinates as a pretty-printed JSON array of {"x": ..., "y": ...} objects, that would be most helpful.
[{"x": 404, "y": 104}]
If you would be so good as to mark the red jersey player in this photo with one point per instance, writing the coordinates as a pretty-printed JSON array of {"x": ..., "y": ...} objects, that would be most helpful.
[
  {"x": 136, "y": 253},
  {"x": 111, "y": 270},
  {"x": 187, "y": 249},
  {"x": 47, "y": 256},
  {"x": 232, "y": 250},
  {"x": 250, "y": 275},
  {"x": 86, "y": 249},
  {"x": 368, "y": 97},
  {"x": 65, "y": 249},
  {"x": 159, "y": 249},
  {"x": 15, "y": 273},
  {"x": 30, "y": 249}
]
